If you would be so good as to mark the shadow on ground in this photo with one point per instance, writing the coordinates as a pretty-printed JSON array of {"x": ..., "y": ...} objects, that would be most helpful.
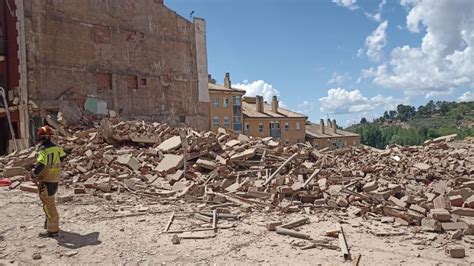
[{"x": 74, "y": 240}]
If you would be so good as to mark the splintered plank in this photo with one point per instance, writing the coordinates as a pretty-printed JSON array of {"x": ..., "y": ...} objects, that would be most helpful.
[
  {"x": 343, "y": 243},
  {"x": 170, "y": 221},
  {"x": 278, "y": 170}
]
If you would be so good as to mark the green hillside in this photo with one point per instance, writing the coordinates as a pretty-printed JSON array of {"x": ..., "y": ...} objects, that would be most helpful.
[{"x": 410, "y": 126}]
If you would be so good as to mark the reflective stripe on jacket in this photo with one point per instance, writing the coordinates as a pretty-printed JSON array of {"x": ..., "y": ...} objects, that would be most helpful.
[{"x": 51, "y": 159}]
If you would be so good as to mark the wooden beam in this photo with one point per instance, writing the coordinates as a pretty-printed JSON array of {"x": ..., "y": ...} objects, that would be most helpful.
[
  {"x": 214, "y": 220},
  {"x": 296, "y": 223},
  {"x": 311, "y": 177},
  {"x": 343, "y": 243},
  {"x": 169, "y": 223},
  {"x": 278, "y": 170},
  {"x": 283, "y": 231}
]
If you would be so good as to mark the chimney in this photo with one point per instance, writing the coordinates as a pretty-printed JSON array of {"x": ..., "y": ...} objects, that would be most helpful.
[
  {"x": 334, "y": 125},
  {"x": 227, "y": 82},
  {"x": 259, "y": 103},
  {"x": 274, "y": 104},
  {"x": 321, "y": 124},
  {"x": 329, "y": 125},
  {"x": 210, "y": 79}
]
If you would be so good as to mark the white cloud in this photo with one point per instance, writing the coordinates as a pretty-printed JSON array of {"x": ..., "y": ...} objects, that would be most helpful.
[
  {"x": 466, "y": 97},
  {"x": 350, "y": 4},
  {"x": 258, "y": 87},
  {"x": 341, "y": 101},
  {"x": 433, "y": 94},
  {"x": 305, "y": 107},
  {"x": 339, "y": 79},
  {"x": 377, "y": 17},
  {"x": 375, "y": 42},
  {"x": 445, "y": 58}
]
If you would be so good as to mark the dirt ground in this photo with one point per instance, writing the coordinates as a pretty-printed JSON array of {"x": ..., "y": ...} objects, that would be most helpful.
[{"x": 129, "y": 230}]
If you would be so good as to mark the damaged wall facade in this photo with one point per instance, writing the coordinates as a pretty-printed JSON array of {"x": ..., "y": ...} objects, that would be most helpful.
[{"x": 138, "y": 56}]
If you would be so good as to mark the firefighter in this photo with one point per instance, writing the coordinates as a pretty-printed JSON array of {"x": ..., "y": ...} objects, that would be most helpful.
[{"x": 46, "y": 175}]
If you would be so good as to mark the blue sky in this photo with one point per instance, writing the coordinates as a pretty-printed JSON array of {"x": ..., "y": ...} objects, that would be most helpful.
[{"x": 345, "y": 59}]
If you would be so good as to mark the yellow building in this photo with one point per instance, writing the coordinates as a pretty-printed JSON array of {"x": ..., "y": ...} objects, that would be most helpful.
[
  {"x": 226, "y": 105},
  {"x": 270, "y": 120},
  {"x": 329, "y": 136}
]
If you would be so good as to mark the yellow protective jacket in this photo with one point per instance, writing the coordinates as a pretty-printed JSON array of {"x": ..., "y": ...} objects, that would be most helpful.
[{"x": 48, "y": 163}]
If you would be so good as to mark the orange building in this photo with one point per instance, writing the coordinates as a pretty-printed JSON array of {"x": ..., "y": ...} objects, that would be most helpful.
[
  {"x": 270, "y": 120},
  {"x": 226, "y": 105},
  {"x": 329, "y": 136}
]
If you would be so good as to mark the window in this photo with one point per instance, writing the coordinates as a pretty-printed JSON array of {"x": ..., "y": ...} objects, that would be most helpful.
[
  {"x": 298, "y": 126},
  {"x": 225, "y": 102},
  {"x": 132, "y": 82},
  {"x": 260, "y": 127},
  {"x": 247, "y": 127},
  {"x": 143, "y": 82},
  {"x": 236, "y": 100},
  {"x": 236, "y": 119},
  {"x": 287, "y": 142},
  {"x": 216, "y": 121},
  {"x": 354, "y": 142},
  {"x": 298, "y": 140},
  {"x": 215, "y": 102},
  {"x": 287, "y": 126},
  {"x": 226, "y": 122},
  {"x": 104, "y": 81}
]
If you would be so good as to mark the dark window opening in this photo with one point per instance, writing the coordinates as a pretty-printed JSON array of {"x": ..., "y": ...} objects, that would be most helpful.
[
  {"x": 132, "y": 82},
  {"x": 104, "y": 81}
]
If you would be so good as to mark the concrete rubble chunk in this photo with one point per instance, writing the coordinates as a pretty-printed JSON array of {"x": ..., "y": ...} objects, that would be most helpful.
[
  {"x": 456, "y": 252},
  {"x": 371, "y": 186},
  {"x": 13, "y": 171},
  {"x": 422, "y": 166},
  {"x": 206, "y": 164},
  {"x": 170, "y": 163},
  {"x": 440, "y": 215},
  {"x": 429, "y": 224},
  {"x": 170, "y": 144},
  {"x": 130, "y": 161}
]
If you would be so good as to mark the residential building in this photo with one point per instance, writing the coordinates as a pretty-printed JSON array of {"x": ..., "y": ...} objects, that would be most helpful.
[
  {"x": 226, "y": 105},
  {"x": 329, "y": 136},
  {"x": 139, "y": 57},
  {"x": 270, "y": 120}
]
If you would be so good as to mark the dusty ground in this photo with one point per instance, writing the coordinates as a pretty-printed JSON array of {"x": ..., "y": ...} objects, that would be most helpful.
[{"x": 129, "y": 231}]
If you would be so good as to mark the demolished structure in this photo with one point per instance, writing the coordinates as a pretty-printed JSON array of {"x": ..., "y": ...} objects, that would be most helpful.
[
  {"x": 136, "y": 58},
  {"x": 428, "y": 187}
]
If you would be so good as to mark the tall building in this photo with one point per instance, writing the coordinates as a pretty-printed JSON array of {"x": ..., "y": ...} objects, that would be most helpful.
[
  {"x": 139, "y": 58},
  {"x": 226, "y": 105},
  {"x": 330, "y": 136},
  {"x": 270, "y": 120}
]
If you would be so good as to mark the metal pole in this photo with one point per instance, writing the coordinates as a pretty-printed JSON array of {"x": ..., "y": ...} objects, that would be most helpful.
[{"x": 12, "y": 132}]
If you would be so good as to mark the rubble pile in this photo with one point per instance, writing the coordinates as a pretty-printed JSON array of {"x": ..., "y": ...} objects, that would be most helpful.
[{"x": 431, "y": 186}]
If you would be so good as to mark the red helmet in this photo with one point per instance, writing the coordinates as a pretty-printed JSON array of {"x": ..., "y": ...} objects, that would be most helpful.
[{"x": 45, "y": 131}]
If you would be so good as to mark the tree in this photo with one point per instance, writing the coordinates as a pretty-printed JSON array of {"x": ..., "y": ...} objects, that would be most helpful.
[
  {"x": 363, "y": 120},
  {"x": 392, "y": 114},
  {"x": 386, "y": 116}
]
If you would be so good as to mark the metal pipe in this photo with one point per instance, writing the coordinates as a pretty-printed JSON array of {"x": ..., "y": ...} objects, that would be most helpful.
[{"x": 12, "y": 132}]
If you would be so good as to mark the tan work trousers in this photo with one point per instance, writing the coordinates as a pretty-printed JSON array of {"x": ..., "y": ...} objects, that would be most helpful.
[{"x": 47, "y": 191}]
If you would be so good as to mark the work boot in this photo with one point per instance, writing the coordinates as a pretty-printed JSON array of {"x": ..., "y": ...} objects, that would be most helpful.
[{"x": 46, "y": 234}]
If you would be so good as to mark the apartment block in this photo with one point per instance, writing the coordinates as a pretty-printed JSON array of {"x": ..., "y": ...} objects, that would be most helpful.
[
  {"x": 270, "y": 120},
  {"x": 330, "y": 136},
  {"x": 226, "y": 105}
]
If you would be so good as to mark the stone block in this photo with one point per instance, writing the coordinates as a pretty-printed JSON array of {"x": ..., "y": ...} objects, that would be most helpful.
[
  {"x": 441, "y": 215},
  {"x": 456, "y": 200}
]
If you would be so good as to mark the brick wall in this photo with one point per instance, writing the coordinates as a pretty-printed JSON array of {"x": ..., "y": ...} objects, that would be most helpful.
[{"x": 139, "y": 56}]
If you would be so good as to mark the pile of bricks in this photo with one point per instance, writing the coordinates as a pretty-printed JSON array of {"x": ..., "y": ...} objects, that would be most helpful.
[{"x": 428, "y": 186}]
